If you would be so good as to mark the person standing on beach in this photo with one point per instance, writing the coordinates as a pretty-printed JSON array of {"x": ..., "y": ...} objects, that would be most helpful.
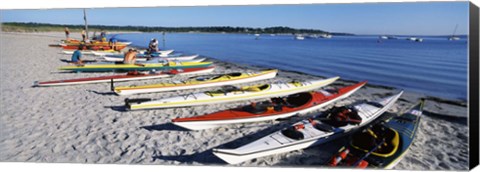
[
  {"x": 84, "y": 34},
  {"x": 130, "y": 57},
  {"x": 77, "y": 55},
  {"x": 113, "y": 43},
  {"x": 103, "y": 36},
  {"x": 67, "y": 33},
  {"x": 153, "y": 46}
]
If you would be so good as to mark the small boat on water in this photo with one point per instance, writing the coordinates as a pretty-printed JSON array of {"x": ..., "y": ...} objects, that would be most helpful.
[
  {"x": 415, "y": 39},
  {"x": 453, "y": 37},
  {"x": 383, "y": 37},
  {"x": 299, "y": 37},
  {"x": 325, "y": 36}
]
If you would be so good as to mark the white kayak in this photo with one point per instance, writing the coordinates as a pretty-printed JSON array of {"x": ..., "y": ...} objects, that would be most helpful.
[
  {"x": 230, "y": 94},
  {"x": 126, "y": 77},
  {"x": 198, "y": 82},
  {"x": 178, "y": 58},
  {"x": 328, "y": 126},
  {"x": 85, "y": 52},
  {"x": 161, "y": 53}
]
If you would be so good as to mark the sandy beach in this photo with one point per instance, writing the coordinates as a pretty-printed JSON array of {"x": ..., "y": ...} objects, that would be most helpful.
[{"x": 80, "y": 123}]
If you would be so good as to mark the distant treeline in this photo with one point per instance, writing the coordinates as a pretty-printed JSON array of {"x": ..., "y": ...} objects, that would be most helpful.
[{"x": 45, "y": 27}]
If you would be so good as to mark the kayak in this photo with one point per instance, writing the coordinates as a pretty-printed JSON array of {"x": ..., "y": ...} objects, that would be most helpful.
[
  {"x": 153, "y": 60},
  {"x": 198, "y": 82},
  {"x": 75, "y": 41},
  {"x": 158, "y": 53},
  {"x": 229, "y": 94},
  {"x": 95, "y": 44},
  {"x": 88, "y": 52},
  {"x": 93, "y": 47},
  {"x": 334, "y": 123},
  {"x": 125, "y": 77},
  {"x": 138, "y": 67},
  {"x": 275, "y": 108},
  {"x": 382, "y": 145},
  {"x": 179, "y": 58}
]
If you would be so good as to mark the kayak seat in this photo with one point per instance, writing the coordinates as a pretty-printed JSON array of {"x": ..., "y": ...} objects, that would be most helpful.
[
  {"x": 256, "y": 88},
  {"x": 225, "y": 89},
  {"x": 290, "y": 132},
  {"x": 298, "y": 99},
  {"x": 323, "y": 127},
  {"x": 257, "y": 108},
  {"x": 236, "y": 74},
  {"x": 296, "y": 83},
  {"x": 342, "y": 116},
  {"x": 367, "y": 139}
]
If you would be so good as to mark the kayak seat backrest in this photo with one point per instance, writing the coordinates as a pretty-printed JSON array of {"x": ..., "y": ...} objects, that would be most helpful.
[
  {"x": 299, "y": 99},
  {"x": 257, "y": 88},
  {"x": 342, "y": 116},
  {"x": 225, "y": 89},
  {"x": 323, "y": 127},
  {"x": 297, "y": 84},
  {"x": 257, "y": 108},
  {"x": 290, "y": 132},
  {"x": 235, "y": 74},
  {"x": 365, "y": 141}
]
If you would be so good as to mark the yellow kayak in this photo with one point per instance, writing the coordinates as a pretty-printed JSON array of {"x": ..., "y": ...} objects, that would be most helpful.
[
  {"x": 131, "y": 67},
  {"x": 198, "y": 82}
]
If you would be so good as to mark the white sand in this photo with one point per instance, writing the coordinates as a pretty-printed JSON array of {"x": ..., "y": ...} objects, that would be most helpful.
[{"x": 76, "y": 124}]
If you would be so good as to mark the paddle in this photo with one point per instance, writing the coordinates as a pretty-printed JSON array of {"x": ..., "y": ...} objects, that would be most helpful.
[{"x": 368, "y": 153}]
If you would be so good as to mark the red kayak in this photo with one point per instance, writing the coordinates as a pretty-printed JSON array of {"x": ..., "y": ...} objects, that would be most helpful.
[
  {"x": 94, "y": 47},
  {"x": 126, "y": 77},
  {"x": 276, "y": 108}
]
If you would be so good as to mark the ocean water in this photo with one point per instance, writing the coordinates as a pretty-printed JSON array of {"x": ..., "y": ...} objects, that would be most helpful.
[{"x": 436, "y": 66}]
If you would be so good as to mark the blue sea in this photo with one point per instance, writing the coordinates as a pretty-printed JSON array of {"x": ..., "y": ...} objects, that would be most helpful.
[{"x": 436, "y": 66}]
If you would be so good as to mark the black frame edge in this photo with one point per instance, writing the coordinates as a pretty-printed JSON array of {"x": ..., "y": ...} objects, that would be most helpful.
[{"x": 473, "y": 40}]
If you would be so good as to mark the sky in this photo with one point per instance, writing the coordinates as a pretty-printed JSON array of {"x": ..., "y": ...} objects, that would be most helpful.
[{"x": 421, "y": 18}]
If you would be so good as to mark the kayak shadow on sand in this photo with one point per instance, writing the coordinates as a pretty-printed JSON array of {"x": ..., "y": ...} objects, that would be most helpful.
[
  {"x": 108, "y": 93},
  {"x": 118, "y": 108},
  {"x": 165, "y": 126},
  {"x": 205, "y": 157},
  {"x": 316, "y": 156}
]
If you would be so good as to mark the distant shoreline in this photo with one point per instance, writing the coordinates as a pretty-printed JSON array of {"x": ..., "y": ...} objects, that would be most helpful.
[{"x": 46, "y": 27}]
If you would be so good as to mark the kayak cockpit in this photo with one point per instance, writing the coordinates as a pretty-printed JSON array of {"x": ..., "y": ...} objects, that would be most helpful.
[
  {"x": 293, "y": 132},
  {"x": 369, "y": 138},
  {"x": 342, "y": 116},
  {"x": 256, "y": 88},
  {"x": 277, "y": 104},
  {"x": 219, "y": 77}
]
